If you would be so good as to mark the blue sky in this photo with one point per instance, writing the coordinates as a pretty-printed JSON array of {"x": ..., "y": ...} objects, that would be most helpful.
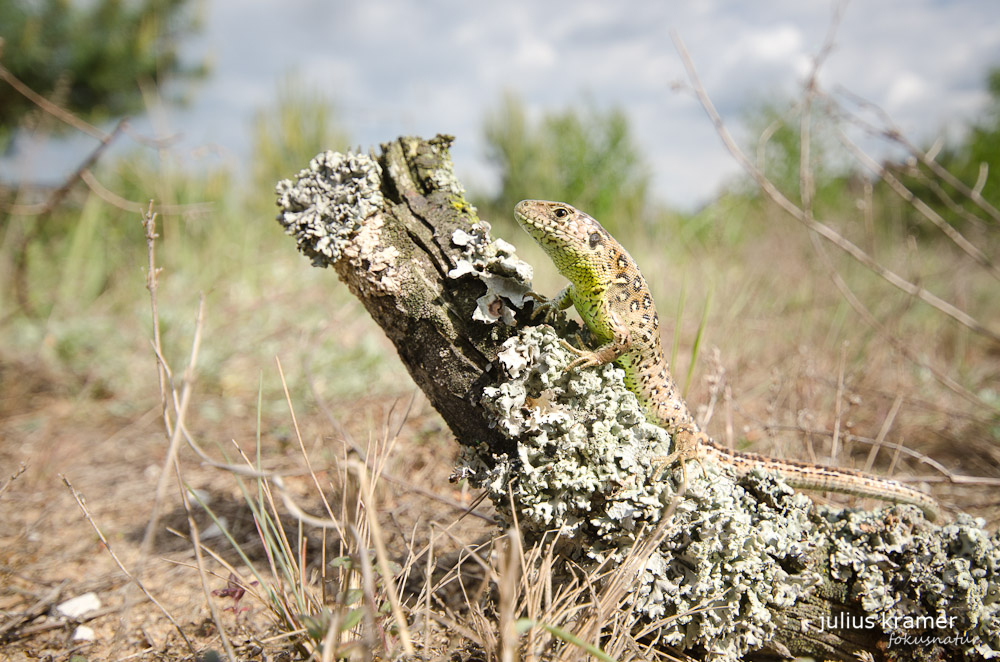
[{"x": 402, "y": 67}]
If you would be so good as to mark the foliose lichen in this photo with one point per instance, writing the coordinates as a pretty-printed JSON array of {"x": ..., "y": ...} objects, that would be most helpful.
[
  {"x": 328, "y": 202},
  {"x": 734, "y": 554},
  {"x": 444, "y": 179},
  {"x": 494, "y": 262},
  {"x": 927, "y": 592},
  {"x": 586, "y": 465}
]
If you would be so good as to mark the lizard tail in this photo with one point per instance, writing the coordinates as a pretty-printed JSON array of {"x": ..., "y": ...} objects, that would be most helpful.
[{"x": 825, "y": 479}]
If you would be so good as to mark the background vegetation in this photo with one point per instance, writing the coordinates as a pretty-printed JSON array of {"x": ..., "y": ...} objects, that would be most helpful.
[{"x": 92, "y": 59}]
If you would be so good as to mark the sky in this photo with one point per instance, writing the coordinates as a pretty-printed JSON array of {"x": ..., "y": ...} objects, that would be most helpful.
[{"x": 394, "y": 67}]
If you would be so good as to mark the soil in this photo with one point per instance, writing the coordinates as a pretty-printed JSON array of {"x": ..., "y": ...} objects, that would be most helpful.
[{"x": 50, "y": 438}]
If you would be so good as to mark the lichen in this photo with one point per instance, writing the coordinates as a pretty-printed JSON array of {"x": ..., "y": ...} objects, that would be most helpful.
[
  {"x": 440, "y": 175},
  {"x": 735, "y": 555},
  {"x": 923, "y": 588},
  {"x": 328, "y": 203},
  {"x": 444, "y": 179},
  {"x": 494, "y": 262},
  {"x": 586, "y": 465}
]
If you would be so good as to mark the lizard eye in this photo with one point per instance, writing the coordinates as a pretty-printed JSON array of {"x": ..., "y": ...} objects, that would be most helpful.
[
  {"x": 560, "y": 212},
  {"x": 595, "y": 238}
]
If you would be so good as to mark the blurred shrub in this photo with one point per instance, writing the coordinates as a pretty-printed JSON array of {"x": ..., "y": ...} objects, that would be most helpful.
[
  {"x": 90, "y": 57},
  {"x": 287, "y": 134},
  {"x": 582, "y": 155}
]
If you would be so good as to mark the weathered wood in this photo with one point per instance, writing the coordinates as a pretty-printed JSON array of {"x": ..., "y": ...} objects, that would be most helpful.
[
  {"x": 397, "y": 264},
  {"x": 405, "y": 240}
]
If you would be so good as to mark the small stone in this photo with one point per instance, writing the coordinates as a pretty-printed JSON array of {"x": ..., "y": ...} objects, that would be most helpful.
[
  {"x": 214, "y": 530},
  {"x": 79, "y": 606},
  {"x": 83, "y": 633},
  {"x": 202, "y": 496}
]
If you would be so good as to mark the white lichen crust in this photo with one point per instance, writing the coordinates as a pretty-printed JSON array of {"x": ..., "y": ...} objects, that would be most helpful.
[
  {"x": 585, "y": 466},
  {"x": 329, "y": 202},
  {"x": 735, "y": 558},
  {"x": 911, "y": 583},
  {"x": 494, "y": 262}
]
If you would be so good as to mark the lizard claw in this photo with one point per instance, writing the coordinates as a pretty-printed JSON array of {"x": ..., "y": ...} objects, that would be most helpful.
[
  {"x": 584, "y": 358},
  {"x": 543, "y": 307},
  {"x": 686, "y": 447}
]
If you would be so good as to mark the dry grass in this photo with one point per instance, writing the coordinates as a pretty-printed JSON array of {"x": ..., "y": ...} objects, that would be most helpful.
[
  {"x": 343, "y": 535},
  {"x": 787, "y": 371}
]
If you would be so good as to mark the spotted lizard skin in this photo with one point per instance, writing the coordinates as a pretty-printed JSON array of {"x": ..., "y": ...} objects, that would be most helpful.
[{"x": 613, "y": 300}]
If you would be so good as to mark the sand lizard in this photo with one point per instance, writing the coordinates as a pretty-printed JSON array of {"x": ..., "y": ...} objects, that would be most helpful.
[{"x": 614, "y": 302}]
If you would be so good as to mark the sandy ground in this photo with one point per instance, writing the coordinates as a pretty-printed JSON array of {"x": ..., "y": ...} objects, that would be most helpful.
[{"x": 50, "y": 553}]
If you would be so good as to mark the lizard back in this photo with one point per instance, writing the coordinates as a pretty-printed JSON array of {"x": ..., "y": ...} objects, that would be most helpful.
[
  {"x": 609, "y": 292},
  {"x": 615, "y": 303}
]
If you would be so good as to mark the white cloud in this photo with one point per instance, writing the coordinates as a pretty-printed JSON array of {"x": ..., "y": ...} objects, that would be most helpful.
[
  {"x": 906, "y": 90},
  {"x": 396, "y": 66},
  {"x": 534, "y": 53},
  {"x": 780, "y": 43}
]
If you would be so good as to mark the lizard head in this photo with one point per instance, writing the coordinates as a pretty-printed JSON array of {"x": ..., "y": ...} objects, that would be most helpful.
[{"x": 574, "y": 241}]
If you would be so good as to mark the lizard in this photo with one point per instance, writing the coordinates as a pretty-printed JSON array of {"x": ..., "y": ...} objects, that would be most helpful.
[{"x": 614, "y": 301}]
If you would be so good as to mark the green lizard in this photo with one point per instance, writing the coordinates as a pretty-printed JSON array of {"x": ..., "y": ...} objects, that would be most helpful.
[{"x": 614, "y": 302}]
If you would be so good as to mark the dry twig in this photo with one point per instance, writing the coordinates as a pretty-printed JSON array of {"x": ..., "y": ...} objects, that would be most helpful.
[
  {"x": 135, "y": 579},
  {"x": 822, "y": 229}
]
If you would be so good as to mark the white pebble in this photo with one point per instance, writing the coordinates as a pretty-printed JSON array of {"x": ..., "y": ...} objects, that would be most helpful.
[
  {"x": 80, "y": 605},
  {"x": 83, "y": 633}
]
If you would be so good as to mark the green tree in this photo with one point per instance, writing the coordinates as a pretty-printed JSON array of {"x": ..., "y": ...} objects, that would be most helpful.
[
  {"x": 585, "y": 157},
  {"x": 90, "y": 56},
  {"x": 981, "y": 147},
  {"x": 777, "y": 132},
  {"x": 974, "y": 161}
]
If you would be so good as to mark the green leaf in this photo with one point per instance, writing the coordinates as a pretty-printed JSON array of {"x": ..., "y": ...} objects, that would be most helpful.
[
  {"x": 352, "y": 618},
  {"x": 316, "y": 626},
  {"x": 524, "y": 624},
  {"x": 342, "y": 562},
  {"x": 352, "y": 596}
]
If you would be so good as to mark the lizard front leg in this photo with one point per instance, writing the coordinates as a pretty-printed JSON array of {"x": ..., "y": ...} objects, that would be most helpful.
[
  {"x": 606, "y": 353},
  {"x": 546, "y": 307}
]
